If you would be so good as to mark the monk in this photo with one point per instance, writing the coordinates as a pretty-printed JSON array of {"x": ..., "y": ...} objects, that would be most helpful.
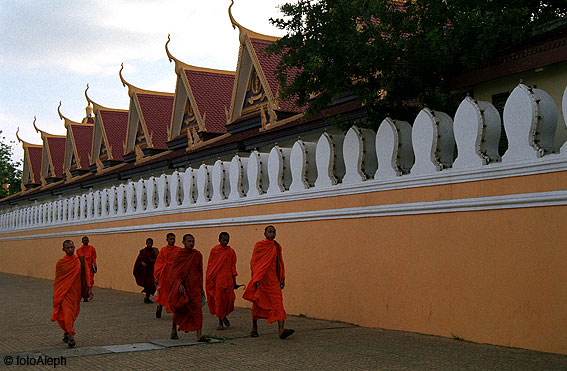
[
  {"x": 186, "y": 290},
  {"x": 89, "y": 252},
  {"x": 67, "y": 291},
  {"x": 161, "y": 273},
  {"x": 268, "y": 280},
  {"x": 221, "y": 280},
  {"x": 144, "y": 269}
]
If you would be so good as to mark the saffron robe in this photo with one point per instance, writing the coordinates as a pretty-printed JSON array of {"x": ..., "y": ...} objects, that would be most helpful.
[
  {"x": 267, "y": 267},
  {"x": 145, "y": 275},
  {"x": 89, "y": 252},
  {"x": 162, "y": 268},
  {"x": 187, "y": 270},
  {"x": 67, "y": 292},
  {"x": 221, "y": 270}
]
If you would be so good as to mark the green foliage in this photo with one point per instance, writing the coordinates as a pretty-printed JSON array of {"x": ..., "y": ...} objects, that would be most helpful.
[
  {"x": 406, "y": 48},
  {"x": 9, "y": 172}
]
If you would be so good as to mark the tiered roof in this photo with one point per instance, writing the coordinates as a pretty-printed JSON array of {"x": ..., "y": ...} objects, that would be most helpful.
[
  {"x": 77, "y": 146},
  {"x": 31, "y": 173}
]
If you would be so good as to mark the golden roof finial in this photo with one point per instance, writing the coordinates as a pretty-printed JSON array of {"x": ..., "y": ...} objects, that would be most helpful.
[
  {"x": 169, "y": 56},
  {"x": 89, "y": 100},
  {"x": 244, "y": 31},
  {"x": 17, "y": 136},
  {"x": 124, "y": 83},
  {"x": 59, "y": 111},
  {"x": 35, "y": 127}
]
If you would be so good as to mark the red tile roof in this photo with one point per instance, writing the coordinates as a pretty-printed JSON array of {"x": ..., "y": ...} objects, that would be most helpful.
[
  {"x": 156, "y": 110},
  {"x": 115, "y": 124},
  {"x": 269, "y": 63},
  {"x": 213, "y": 92},
  {"x": 35, "y": 160},
  {"x": 57, "y": 152},
  {"x": 83, "y": 136}
]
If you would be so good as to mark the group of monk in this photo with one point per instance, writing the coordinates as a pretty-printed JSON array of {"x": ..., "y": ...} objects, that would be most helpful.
[{"x": 176, "y": 274}]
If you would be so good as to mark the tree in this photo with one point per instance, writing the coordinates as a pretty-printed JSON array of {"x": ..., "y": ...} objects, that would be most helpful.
[
  {"x": 395, "y": 55},
  {"x": 10, "y": 175}
]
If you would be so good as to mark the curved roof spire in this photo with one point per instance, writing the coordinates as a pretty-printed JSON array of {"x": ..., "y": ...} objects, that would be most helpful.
[
  {"x": 97, "y": 106},
  {"x": 24, "y": 143},
  {"x": 67, "y": 120},
  {"x": 244, "y": 30},
  {"x": 43, "y": 133},
  {"x": 180, "y": 66},
  {"x": 134, "y": 89}
]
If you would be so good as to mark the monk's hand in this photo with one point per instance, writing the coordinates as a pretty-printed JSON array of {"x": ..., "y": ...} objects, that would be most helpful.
[
  {"x": 181, "y": 289},
  {"x": 282, "y": 284},
  {"x": 144, "y": 265},
  {"x": 257, "y": 283}
]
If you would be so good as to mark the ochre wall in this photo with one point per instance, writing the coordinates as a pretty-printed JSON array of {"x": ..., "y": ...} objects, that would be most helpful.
[{"x": 492, "y": 276}]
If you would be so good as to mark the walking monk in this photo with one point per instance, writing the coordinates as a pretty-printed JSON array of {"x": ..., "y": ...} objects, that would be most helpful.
[
  {"x": 187, "y": 289},
  {"x": 268, "y": 280},
  {"x": 161, "y": 273},
  {"x": 67, "y": 291},
  {"x": 144, "y": 269},
  {"x": 221, "y": 280},
  {"x": 89, "y": 252}
]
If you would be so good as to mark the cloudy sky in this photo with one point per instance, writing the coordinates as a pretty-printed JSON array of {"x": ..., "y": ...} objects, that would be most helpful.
[{"x": 51, "y": 49}]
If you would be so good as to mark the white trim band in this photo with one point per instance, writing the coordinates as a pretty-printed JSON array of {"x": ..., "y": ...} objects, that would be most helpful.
[{"x": 541, "y": 199}]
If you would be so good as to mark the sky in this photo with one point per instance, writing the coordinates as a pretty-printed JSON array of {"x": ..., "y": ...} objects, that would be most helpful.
[{"x": 51, "y": 49}]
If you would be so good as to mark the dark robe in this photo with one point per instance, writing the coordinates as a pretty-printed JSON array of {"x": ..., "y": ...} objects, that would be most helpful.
[{"x": 145, "y": 275}]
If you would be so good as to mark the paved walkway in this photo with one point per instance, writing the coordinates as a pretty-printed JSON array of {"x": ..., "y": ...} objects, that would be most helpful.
[{"x": 118, "y": 331}]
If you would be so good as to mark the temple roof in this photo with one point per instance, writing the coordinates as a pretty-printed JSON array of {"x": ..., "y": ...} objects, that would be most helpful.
[
  {"x": 83, "y": 137},
  {"x": 56, "y": 147},
  {"x": 114, "y": 124},
  {"x": 33, "y": 152},
  {"x": 156, "y": 110}
]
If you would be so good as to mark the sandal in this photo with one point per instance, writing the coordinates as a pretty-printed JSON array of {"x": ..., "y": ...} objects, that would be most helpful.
[
  {"x": 286, "y": 333},
  {"x": 66, "y": 338},
  {"x": 158, "y": 311},
  {"x": 71, "y": 343},
  {"x": 174, "y": 336},
  {"x": 254, "y": 334},
  {"x": 204, "y": 339},
  {"x": 226, "y": 322}
]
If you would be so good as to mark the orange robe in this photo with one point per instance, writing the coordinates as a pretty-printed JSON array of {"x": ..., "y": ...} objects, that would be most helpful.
[
  {"x": 221, "y": 270},
  {"x": 162, "y": 268},
  {"x": 67, "y": 292},
  {"x": 187, "y": 270},
  {"x": 90, "y": 259},
  {"x": 267, "y": 267}
]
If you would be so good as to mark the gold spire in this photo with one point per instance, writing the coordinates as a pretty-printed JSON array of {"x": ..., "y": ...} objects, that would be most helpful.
[
  {"x": 134, "y": 89},
  {"x": 180, "y": 66},
  {"x": 244, "y": 31}
]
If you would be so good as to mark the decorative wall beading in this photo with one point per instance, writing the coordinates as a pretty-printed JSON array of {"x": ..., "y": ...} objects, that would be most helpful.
[{"x": 361, "y": 157}]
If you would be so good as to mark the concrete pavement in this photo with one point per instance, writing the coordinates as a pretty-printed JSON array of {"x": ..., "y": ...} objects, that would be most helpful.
[{"x": 118, "y": 331}]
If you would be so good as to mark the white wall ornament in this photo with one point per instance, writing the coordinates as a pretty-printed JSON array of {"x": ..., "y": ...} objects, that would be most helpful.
[
  {"x": 151, "y": 199},
  {"x": 174, "y": 182},
  {"x": 238, "y": 177},
  {"x": 279, "y": 171},
  {"x": 302, "y": 165},
  {"x": 329, "y": 159},
  {"x": 130, "y": 197},
  {"x": 188, "y": 187},
  {"x": 359, "y": 153},
  {"x": 433, "y": 142},
  {"x": 530, "y": 119},
  {"x": 257, "y": 173},
  {"x": 162, "y": 191},
  {"x": 393, "y": 149},
  {"x": 141, "y": 197},
  {"x": 477, "y": 134},
  {"x": 220, "y": 181},
  {"x": 204, "y": 184}
]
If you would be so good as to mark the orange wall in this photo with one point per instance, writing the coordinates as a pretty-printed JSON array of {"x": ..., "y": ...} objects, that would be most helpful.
[{"x": 493, "y": 276}]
